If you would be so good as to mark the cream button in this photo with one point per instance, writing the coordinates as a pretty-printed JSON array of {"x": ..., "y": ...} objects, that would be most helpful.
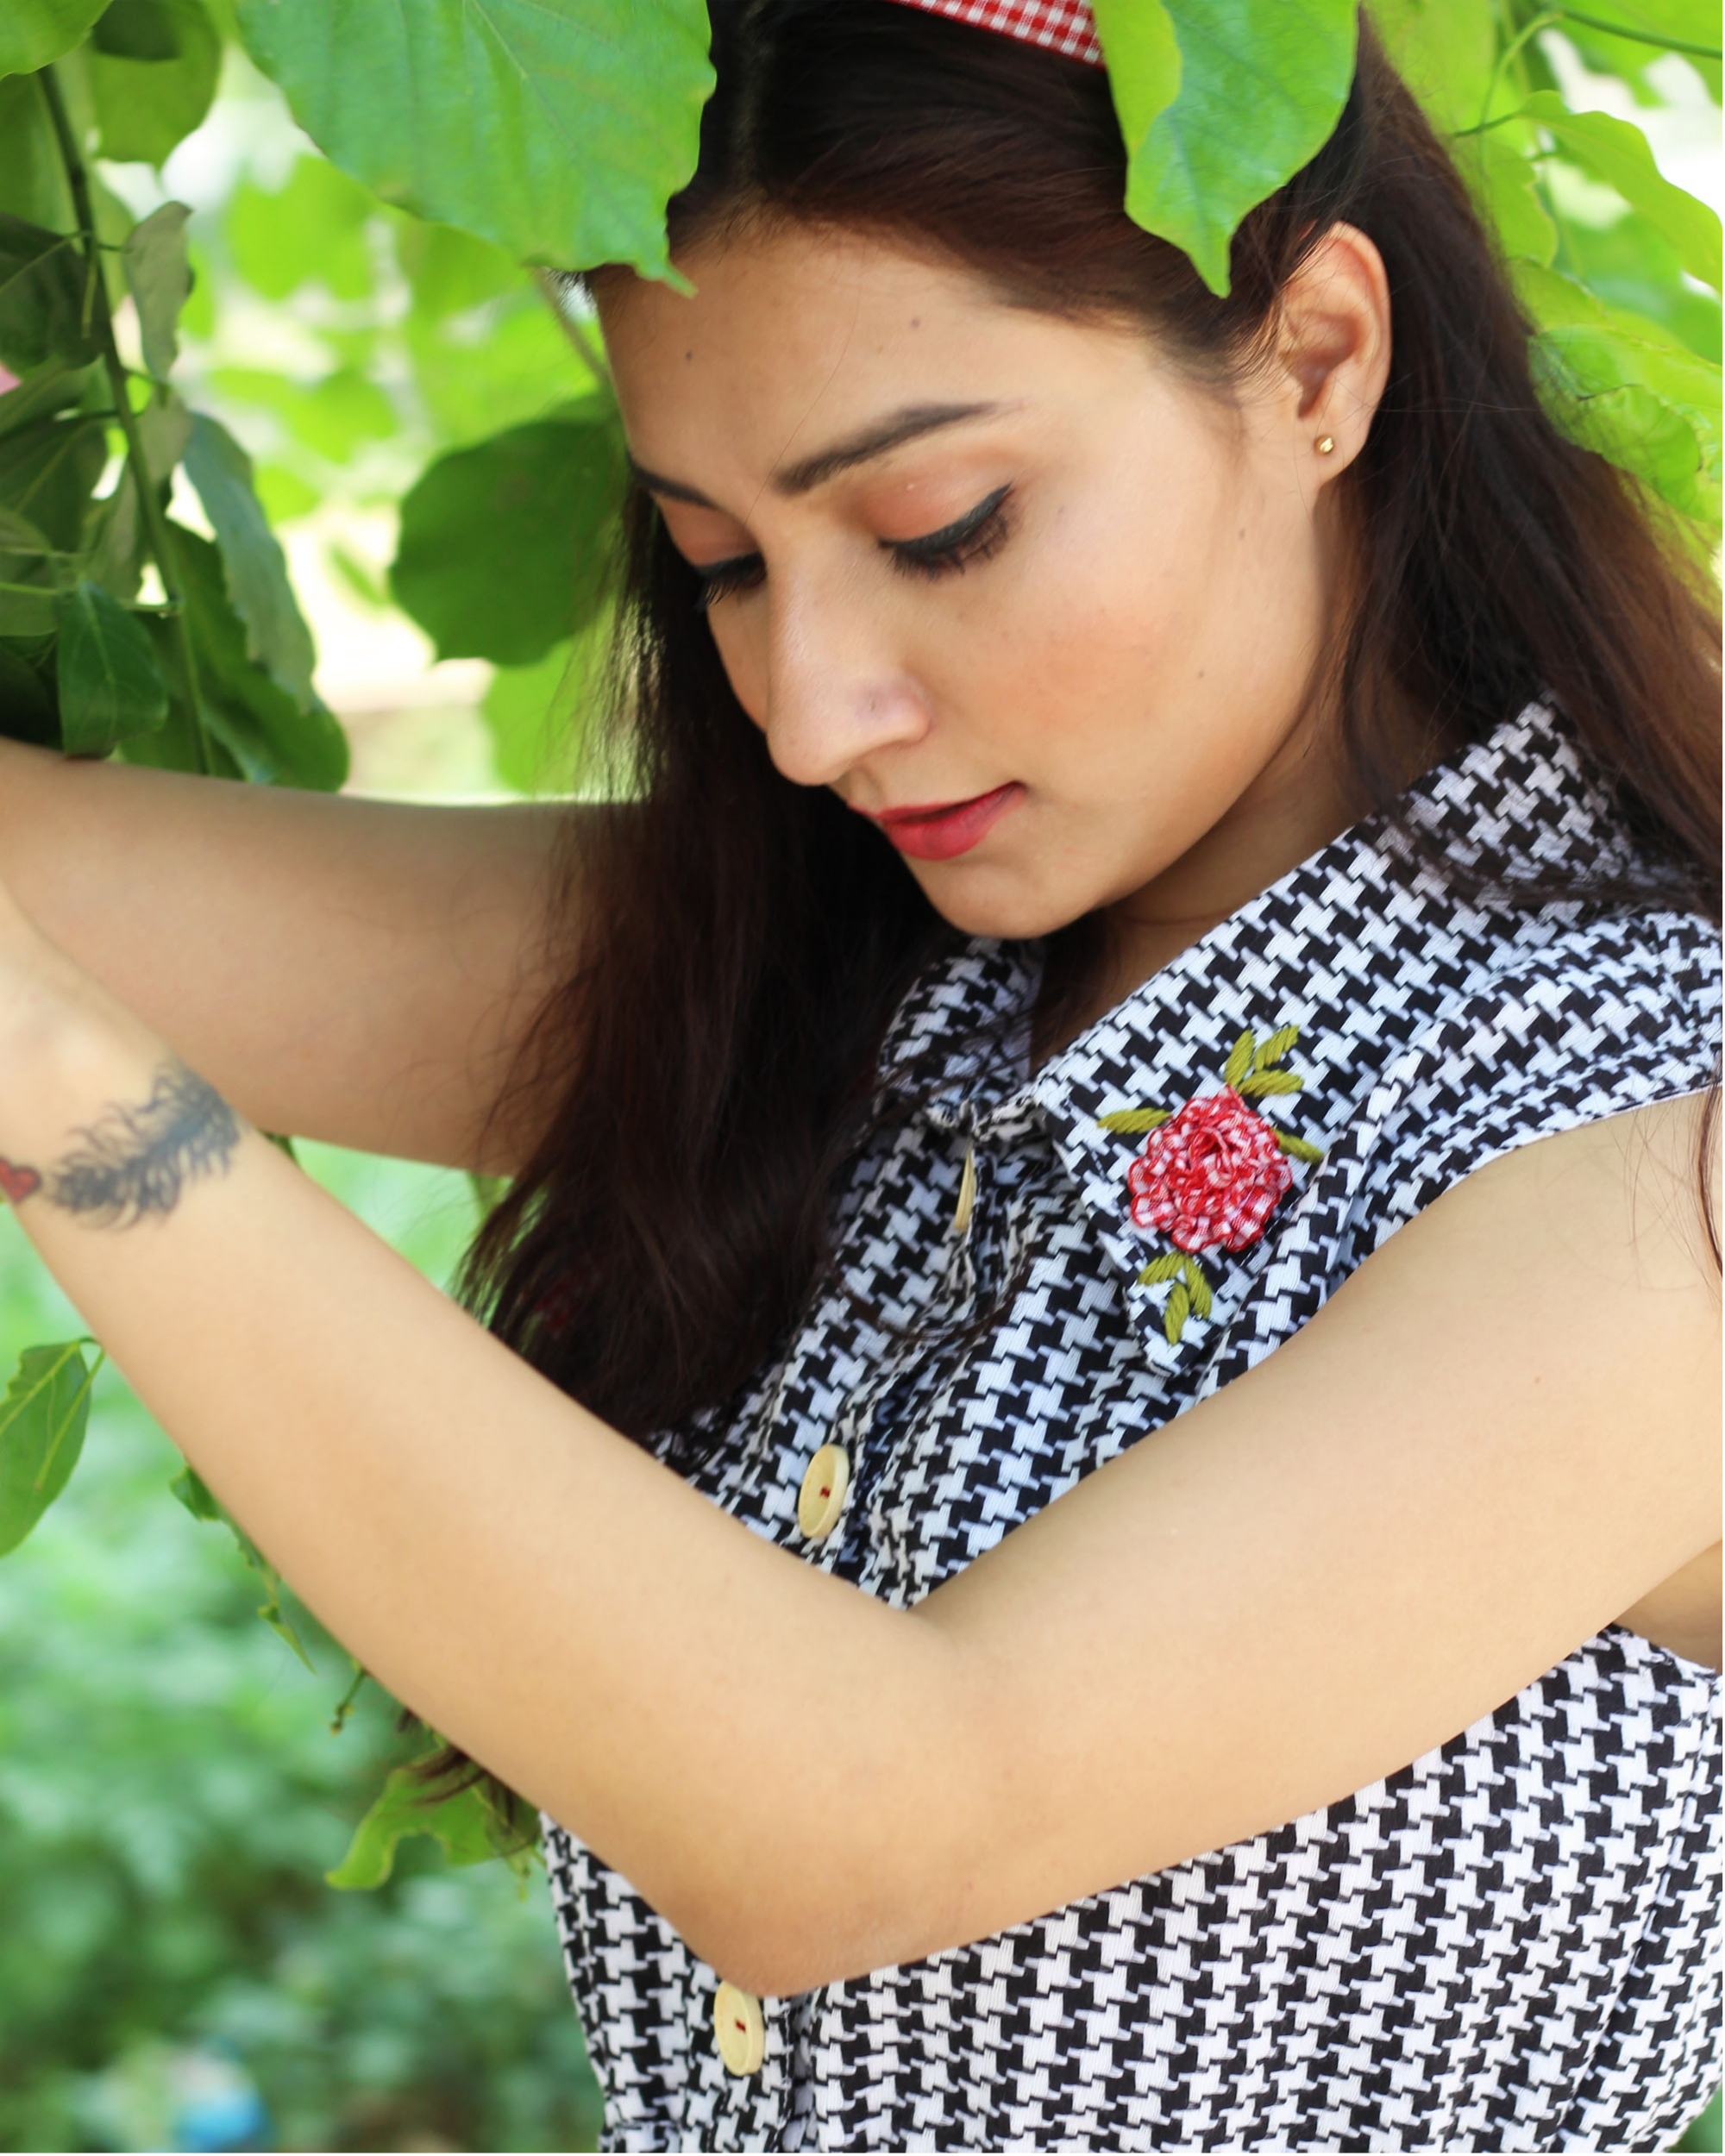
[
  {"x": 967, "y": 1195},
  {"x": 821, "y": 1499},
  {"x": 737, "y": 2024}
]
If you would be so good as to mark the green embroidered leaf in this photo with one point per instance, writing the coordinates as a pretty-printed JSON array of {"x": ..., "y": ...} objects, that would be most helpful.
[
  {"x": 1198, "y": 1286},
  {"x": 1175, "y": 1316},
  {"x": 1239, "y": 1061},
  {"x": 1301, "y": 1148},
  {"x": 1160, "y": 1268},
  {"x": 1127, "y": 1122},
  {"x": 1265, "y": 1081},
  {"x": 1276, "y": 1047}
]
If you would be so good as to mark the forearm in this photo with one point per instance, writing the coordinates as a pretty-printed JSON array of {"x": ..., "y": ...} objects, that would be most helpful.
[
  {"x": 534, "y": 1585},
  {"x": 346, "y": 970}
]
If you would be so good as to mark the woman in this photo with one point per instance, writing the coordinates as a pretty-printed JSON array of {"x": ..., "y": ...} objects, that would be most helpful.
[{"x": 1117, "y": 1119}]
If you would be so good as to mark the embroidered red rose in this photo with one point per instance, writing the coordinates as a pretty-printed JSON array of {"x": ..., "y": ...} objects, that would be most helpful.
[{"x": 1210, "y": 1176}]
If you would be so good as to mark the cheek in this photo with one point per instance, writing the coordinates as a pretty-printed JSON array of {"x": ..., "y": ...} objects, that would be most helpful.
[{"x": 739, "y": 638}]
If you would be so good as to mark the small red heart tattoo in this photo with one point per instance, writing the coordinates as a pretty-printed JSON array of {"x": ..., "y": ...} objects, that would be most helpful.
[{"x": 18, "y": 1182}]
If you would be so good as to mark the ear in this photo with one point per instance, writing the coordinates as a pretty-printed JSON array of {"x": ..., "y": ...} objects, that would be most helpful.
[{"x": 1333, "y": 347}]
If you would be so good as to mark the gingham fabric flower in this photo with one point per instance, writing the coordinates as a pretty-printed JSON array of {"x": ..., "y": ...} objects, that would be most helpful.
[{"x": 1210, "y": 1177}]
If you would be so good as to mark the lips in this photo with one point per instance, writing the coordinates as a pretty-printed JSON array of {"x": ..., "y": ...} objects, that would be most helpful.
[{"x": 942, "y": 830}]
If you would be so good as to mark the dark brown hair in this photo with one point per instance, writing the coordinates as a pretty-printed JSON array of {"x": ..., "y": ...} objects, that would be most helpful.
[{"x": 706, "y": 1072}]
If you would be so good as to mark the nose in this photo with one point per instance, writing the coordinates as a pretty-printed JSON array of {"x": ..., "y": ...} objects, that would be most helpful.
[{"x": 837, "y": 688}]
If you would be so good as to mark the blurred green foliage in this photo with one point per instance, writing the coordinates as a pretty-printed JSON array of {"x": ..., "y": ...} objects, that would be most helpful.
[{"x": 171, "y": 1797}]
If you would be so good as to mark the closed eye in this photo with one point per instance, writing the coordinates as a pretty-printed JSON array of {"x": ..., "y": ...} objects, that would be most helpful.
[{"x": 972, "y": 537}]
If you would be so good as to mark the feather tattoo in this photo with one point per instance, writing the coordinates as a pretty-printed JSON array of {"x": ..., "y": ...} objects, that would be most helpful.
[{"x": 132, "y": 1163}]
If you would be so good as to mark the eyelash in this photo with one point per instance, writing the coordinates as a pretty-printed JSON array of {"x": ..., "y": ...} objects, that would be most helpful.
[{"x": 974, "y": 536}]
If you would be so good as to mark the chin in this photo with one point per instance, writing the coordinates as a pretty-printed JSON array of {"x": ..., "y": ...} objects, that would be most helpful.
[{"x": 980, "y": 901}]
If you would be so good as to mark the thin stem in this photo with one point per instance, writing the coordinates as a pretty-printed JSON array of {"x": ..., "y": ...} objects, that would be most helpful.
[
  {"x": 101, "y": 320},
  {"x": 1642, "y": 37},
  {"x": 1544, "y": 21},
  {"x": 551, "y": 293}
]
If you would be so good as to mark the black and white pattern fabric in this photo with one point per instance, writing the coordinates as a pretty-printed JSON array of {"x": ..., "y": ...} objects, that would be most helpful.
[{"x": 1509, "y": 1944}]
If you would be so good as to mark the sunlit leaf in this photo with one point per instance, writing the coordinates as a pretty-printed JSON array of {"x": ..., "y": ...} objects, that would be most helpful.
[
  {"x": 153, "y": 67},
  {"x": 1506, "y": 190},
  {"x": 507, "y": 547},
  {"x": 1262, "y": 83},
  {"x": 332, "y": 417},
  {"x": 313, "y": 228},
  {"x": 110, "y": 685},
  {"x": 42, "y": 1421},
  {"x": 556, "y": 129},
  {"x": 35, "y": 32},
  {"x": 1445, "y": 51},
  {"x": 160, "y": 279},
  {"x": 252, "y": 560},
  {"x": 460, "y": 1822},
  {"x": 1617, "y": 153},
  {"x": 1143, "y": 64},
  {"x": 43, "y": 314}
]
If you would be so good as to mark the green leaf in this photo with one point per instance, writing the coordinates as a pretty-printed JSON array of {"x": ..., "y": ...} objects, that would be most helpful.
[
  {"x": 1299, "y": 1148},
  {"x": 110, "y": 687},
  {"x": 1505, "y": 189},
  {"x": 1261, "y": 84},
  {"x": 160, "y": 280},
  {"x": 1239, "y": 1061},
  {"x": 192, "y": 1490},
  {"x": 311, "y": 229},
  {"x": 269, "y": 735},
  {"x": 1445, "y": 51},
  {"x": 332, "y": 416},
  {"x": 507, "y": 547},
  {"x": 1620, "y": 385},
  {"x": 116, "y": 538},
  {"x": 28, "y": 609},
  {"x": 252, "y": 560},
  {"x": 35, "y": 32},
  {"x": 201, "y": 1501},
  {"x": 1616, "y": 151},
  {"x": 42, "y": 1421},
  {"x": 49, "y": 471},
  {"x": 1262, "y": 1081},
  {"x": 50, "y": 388},
  {"x": 1198, "y": 1286},
  {"x": 42, "y": 293},
  {"x": 1128, "y": 1122},
  {"x": 462, "y": 1822},
  {"x": 1168, "y": 1267},
  {"x": 1177, "y": 1310},
  {"x": 556, "y": 129},
  {"x": 152, "y": 66},
  {"x": 1276, "y": 1047},
  {"x": 1143, "y": 64}
]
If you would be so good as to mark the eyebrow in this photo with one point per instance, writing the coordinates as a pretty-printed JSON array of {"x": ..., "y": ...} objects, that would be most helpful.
[{"x": 908, "y": 425}]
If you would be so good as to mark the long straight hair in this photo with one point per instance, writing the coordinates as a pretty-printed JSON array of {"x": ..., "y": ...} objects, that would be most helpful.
[{"x": 705, "y": 1072}]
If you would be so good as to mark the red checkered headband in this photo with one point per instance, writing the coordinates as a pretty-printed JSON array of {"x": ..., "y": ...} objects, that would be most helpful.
[{"x": 1063, "y": 26}]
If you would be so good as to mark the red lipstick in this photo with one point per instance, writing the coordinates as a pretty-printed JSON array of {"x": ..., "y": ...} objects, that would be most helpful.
[{"x": 940, "y": 830}]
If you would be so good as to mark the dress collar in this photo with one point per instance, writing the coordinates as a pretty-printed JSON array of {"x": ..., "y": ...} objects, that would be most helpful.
[{"x": 1356, "y": 948}]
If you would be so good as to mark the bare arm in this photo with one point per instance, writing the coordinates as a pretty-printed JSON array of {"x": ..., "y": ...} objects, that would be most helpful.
[
  {"x": 1431, "y": 1494},
  {"x": 358, "y": 971}
]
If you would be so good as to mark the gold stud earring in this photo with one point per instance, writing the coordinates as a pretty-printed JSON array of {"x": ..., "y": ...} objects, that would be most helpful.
[{"x": 1324, "y": 444}]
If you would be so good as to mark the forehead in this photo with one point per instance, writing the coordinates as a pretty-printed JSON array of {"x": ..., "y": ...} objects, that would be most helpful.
[{"x": 791, "y": 331}]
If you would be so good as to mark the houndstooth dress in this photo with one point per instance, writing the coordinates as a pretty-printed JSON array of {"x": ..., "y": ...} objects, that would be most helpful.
[{"x": 1509, "y": 1943}]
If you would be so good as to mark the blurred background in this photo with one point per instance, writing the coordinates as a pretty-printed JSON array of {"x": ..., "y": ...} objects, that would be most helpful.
[{"x": 174, "y": 1971}]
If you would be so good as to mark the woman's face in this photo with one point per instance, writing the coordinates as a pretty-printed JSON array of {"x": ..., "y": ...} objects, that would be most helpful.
[{"x": 1013, "y": 586}]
